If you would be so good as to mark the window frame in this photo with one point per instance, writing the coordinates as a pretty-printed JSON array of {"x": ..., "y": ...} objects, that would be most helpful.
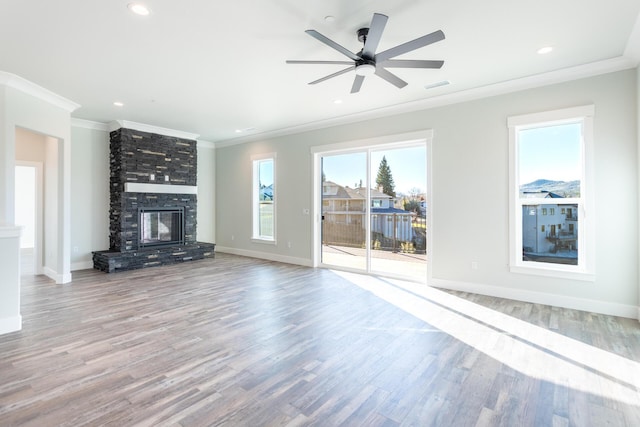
[
  {"x": 256, "y": 161},
  {"x": 585, "y": 270}
]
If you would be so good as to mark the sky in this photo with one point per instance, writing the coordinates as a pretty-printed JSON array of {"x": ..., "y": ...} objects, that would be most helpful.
[
  {"x": 551, "y": 152},
  {"x": 266, "y": 172},
  {"x": 408, "y": 168}
]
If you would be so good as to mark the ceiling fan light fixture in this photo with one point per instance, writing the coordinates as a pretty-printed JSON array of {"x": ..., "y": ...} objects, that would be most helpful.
[{"x": 365, "y": 69}]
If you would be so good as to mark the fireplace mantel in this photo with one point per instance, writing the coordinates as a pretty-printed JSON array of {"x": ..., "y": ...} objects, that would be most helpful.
[{"x": 140, "y": 187}]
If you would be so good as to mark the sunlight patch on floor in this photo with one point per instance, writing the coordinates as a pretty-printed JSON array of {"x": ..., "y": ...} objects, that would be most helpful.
[{"x": 529, "y": 349}]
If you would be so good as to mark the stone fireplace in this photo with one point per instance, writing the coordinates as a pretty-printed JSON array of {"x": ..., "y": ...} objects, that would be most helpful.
[{"x": 153, "y": 202}]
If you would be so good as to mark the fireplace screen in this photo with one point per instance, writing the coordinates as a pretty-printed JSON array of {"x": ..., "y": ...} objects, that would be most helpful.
[{"x": 161, "y": 226}]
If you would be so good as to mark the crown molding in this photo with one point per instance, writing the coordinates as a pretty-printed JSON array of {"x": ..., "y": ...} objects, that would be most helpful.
[
  {"x": 107, "y": 127},
  {"x": 89, "y": 124},
  {"x": 29, "y": 88},
  {"x": 516, "y": 85},
  {"x": 117, "y": 124},
  {"x": 206, "y": 144}
]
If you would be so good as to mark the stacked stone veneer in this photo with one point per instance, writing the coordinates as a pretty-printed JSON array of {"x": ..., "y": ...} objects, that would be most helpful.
[{"x": 137, "y": 157}]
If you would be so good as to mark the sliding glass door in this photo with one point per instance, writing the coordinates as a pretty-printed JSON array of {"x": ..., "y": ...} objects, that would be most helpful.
[
  {"x": 373, "y": 215},
  {"x": 398, "y": 225},
  {"x": 344, "y": 236}
]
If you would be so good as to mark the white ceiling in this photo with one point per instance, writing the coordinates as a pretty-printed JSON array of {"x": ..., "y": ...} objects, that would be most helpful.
[{"x": 211, "y": 67}]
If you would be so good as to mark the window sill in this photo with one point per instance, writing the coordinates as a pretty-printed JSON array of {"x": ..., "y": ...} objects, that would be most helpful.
[
  {"x": 264, "y": 241},
  {"x": 554, "y": 272}
]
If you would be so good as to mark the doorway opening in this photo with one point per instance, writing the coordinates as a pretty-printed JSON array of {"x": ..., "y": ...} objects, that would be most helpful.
[{"x": 28, "y": 215}]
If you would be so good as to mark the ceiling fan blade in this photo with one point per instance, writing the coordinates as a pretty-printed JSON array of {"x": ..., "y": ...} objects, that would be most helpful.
[
  {"x": 357, "y": 84},
  {"x": 436, "y": 36},
  {"x": 376, "y": 28},
  {"x": 320, "y": 62},
  {"x": 409, "y": 63},
  {"x": 316, "y": 35},
  {"x": 390, "y": 77},
  {"x": 336, "y": 74}
]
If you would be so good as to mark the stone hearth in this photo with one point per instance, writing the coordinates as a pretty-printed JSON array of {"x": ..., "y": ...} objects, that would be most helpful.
[{"x": 150, "y": 171}]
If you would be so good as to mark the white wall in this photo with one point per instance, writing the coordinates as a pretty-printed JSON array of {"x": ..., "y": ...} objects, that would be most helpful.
[
  {"x": 29, "y": 146},
  {"x": 470, "y": 169},
  {"x": 638, "y": 168},
  {"x": 89, "y": 194},
  {"x": 52, "y": 202},
  {"x": 206, "y": 230},
  {"x": 293, "y": 194}
]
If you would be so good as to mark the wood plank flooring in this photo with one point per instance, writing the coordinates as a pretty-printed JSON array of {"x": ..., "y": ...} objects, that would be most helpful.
[{"x": 243, "y": 342}]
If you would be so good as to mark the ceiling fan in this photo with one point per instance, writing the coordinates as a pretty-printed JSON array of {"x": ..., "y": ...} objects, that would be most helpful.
[{"x": 367, "y": 61}]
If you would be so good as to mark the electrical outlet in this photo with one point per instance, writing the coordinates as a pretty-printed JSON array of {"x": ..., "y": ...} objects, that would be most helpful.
[
  {"x": 474, "y": 265},
  {"x": 166, "y": 178},
  {"x": 289, "y": 245}
]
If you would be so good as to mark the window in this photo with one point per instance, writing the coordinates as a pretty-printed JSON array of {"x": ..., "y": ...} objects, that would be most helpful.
[
  {"x": 550, "y": 172},
  {"x": 264, "y": 198}
]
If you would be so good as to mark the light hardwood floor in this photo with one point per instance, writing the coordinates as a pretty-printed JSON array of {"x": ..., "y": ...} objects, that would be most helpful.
[{"x": 243, "y": 342}]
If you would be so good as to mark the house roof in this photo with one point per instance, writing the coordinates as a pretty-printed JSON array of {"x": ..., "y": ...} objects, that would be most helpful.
[
  {"x": 391, "y": 211},
  {"x": 353, "y": 193},
  {"x": 541, "y": 194},
  {"x": 214, "y": 70}
]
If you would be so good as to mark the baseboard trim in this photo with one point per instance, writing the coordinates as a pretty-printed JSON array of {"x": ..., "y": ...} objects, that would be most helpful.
[
  {"x": 10, "y": 324},
  {"x": 267, "y": 256},
  {"x": 82, "y": 265},
  {"x": 54, "y": 275},
  {"x": 594, "y": 306}
]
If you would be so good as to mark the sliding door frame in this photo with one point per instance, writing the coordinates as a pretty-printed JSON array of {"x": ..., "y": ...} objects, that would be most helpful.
[{"x": 367, "y": 145}]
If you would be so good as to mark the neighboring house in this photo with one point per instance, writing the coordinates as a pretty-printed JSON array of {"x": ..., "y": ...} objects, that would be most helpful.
[
  {"x": 549, "y": 228},
  {"x": 347, "y": 206},
  {"x": 423, "y": 208}
]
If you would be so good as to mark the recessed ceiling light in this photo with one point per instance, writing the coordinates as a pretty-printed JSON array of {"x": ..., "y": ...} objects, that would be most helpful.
[
  {"x": 245, "y": 130},
  {"x": 337, "y": 101},
  {"x": 118, "y": 104},
  {"x": 330, "y": 19},
  {"x": 544, "y": 50},
  {"x": 138, "y": 9}
]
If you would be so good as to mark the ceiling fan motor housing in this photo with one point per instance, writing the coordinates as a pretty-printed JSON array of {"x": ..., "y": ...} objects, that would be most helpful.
[{"x": 362, "y": 34}]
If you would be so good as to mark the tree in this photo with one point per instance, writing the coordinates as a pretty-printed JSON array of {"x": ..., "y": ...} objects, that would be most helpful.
[
  {"x": 384, "y": 178},
  {"x": 412, "y": 206}
]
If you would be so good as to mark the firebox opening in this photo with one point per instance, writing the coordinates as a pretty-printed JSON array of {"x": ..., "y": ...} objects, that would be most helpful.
[{"x": 160, "y": 227}]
